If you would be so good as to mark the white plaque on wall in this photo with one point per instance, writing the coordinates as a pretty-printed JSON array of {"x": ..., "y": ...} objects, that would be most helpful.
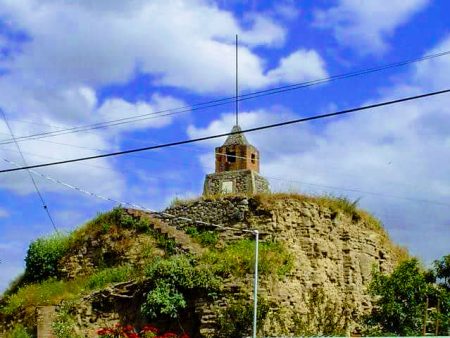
[{"x": 227, "y": 187}]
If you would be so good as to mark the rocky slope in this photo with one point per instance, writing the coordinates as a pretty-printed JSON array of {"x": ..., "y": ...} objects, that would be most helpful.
[{"x": 333, "y": 248}]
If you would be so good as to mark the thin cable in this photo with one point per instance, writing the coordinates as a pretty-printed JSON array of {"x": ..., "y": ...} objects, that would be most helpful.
[
  {"x": 133, "y": 205},
  {"x": 342, "y": 188},
  {"x": 237, "y": 82},
  {"x": 223, "y": 101},
  {"x": 363, "y": 191},
  {"x": 44, "y": 204},
  {"x": 268, "y": 126},
  {"x": 329, "y": 187}
]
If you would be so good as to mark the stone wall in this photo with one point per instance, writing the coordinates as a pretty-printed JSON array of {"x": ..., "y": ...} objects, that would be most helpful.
[
  {"x": 332, "y": 252},
  {"x": 261, "y": 184},
  {"x": 242, "y": 182}
]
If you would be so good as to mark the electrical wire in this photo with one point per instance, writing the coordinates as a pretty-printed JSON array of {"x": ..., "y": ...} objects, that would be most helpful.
[
  {"x": 328, "y": 187},
  {"x": 44, "y": 204},
  {"x": 223, "y": 101},
  {"x": 264, "y": 127},
  {"x": 133, "y": 205}
]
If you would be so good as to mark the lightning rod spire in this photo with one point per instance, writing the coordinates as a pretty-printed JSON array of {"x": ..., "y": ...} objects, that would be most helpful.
[{"x": 237, "y": 83}]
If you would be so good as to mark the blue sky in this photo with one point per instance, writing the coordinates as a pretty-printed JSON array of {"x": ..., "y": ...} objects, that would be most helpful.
[{"x": 71, "y": 63}]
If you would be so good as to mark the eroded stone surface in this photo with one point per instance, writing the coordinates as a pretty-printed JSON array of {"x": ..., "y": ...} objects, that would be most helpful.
[{"x": 332, "y": 252}]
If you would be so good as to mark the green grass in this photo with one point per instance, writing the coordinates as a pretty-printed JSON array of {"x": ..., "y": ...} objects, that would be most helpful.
[
  {"x": 18, "y": 332},
  {"x": 110, "y": 275},
  {"x": 52, "y": 292},
  {"x": 238, "y": 259},
  {"x": 49, "y": 292},
  {"x": 203, "y": 236}
]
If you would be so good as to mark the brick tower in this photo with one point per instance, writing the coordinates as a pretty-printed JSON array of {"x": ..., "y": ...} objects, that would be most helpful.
[{"x": 237, "y": 168}]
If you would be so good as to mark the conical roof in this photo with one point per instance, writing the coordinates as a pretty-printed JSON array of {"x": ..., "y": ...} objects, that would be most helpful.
[{"x": 238, "y": 138}]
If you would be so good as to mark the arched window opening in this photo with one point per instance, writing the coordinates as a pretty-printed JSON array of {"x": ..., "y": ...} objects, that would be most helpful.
[{"x": 253, "y": 158}]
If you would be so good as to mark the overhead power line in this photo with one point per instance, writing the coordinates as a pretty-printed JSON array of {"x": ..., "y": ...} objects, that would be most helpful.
[
  {"x": 44, "y": 204},
  {"x": 133, "y": 205},
  {"x": 222, "y": 101},
  {"x": 287, "y": 180},
  {"x": 268, "y": 126}
]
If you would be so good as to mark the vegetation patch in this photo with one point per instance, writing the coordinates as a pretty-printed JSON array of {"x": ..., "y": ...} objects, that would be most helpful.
[
  {"x": 323, "y": 317},
  {"x": 43, "y": 256},
  {"x": 402, "y": 299},
  {"x": 238, "y": 259},
  {"x": 172, "y": 278},
  {"x": 64, "y": 324},
  {"x": 236, "y": 320},
  {"x": 18, "y": 331},
  {"x": 49, "y": 292},
  {"x": 107, "y": 276},
  {"x": 203, "y": 236},
  {"x": 52, "y": 291}
]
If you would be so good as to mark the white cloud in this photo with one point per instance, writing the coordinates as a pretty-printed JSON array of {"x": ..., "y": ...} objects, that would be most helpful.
[
  {"x": 109, "y": 42},
  {"x": 366, "y": 24},
  {"x": 75, "y": 47},
  {"x": 301, "y": 65},
  {"x": 400, "y": 153},
  {"x": 264, "y": 32},
  {"x": 119, "y": 109}
]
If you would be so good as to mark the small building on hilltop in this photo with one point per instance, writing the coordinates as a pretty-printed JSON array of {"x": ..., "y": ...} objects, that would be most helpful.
[{"x": 237, "y": 168}]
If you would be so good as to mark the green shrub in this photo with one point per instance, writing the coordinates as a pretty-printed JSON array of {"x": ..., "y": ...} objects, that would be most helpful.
[
  {"x": 43, "y": 256},
  {"x": 237, "y": 319},
  {"x": 18, "y": 332},
  {"x": 167, "y": 244},
  {"x": 164, "y": 299},
  {"x": 205, "y": 237},
  {"x": 323, "y": 317},
  {"x": 110, "y": 275},
  {"x": 183, "y": 272},
  {"x": 64, "y": 323},
  {"x": 172, "y": 278}
]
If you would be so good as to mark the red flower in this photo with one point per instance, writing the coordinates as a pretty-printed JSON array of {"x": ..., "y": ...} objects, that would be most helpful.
[
  {"x": 169, "y": 335},
  {"x": 149, "y": 328},
  {"x": 184, "y": 335},
  {"x": 132, "y": 335}
]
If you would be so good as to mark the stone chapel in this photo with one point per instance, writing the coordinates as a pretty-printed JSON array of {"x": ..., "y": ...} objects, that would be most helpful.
[{"x": 237, "y": 168}]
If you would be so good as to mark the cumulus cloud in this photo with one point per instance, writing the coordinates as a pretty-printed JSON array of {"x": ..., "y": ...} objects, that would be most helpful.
[
  {"x": 265, "y": 31},
  {"x": 110, "y": 41},
  {"x": 394, "y": 158},
  {"x": 146, "y": 112},
  {"x": 301, "y": 65},
  {"x": 366, "y": 25},
  {"x": 71, "y": 49}
]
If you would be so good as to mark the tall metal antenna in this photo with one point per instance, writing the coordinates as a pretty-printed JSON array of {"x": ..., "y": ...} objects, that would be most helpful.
[{"x": 237, "y": 83}]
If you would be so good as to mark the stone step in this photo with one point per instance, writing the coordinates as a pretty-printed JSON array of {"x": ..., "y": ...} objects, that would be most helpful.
[{"x": 181, "y": 239}]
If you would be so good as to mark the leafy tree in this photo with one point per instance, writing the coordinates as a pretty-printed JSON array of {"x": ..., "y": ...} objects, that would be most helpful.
[
  {"x": 401, "y": 300},
  {"x": 442, "y": 268}
]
